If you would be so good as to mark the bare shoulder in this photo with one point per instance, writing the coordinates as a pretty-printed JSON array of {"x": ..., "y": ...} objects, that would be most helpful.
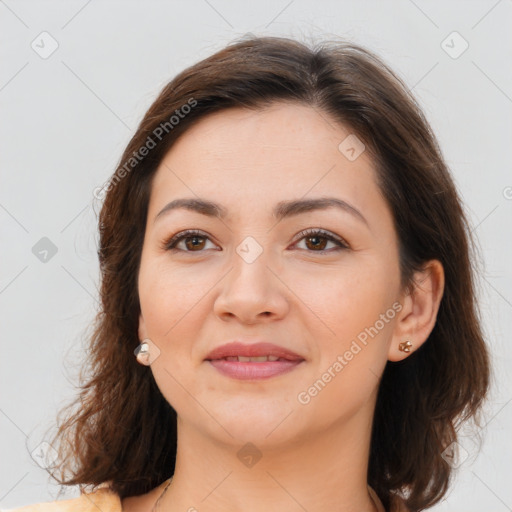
[{"x": 103, "y": 498}]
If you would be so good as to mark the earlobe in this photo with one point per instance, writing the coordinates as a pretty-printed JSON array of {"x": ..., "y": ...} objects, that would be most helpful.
[{"x": 419, "y": 313}]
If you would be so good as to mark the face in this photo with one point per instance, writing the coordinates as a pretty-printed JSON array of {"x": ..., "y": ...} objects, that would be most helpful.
[{"x": 330, "y": 295}]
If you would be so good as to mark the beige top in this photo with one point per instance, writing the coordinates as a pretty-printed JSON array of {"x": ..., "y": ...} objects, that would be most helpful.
[{"x": 107, "y": 501}]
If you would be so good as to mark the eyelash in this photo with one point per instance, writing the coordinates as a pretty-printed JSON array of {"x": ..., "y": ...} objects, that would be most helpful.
[{"x": 170, "y": 244}]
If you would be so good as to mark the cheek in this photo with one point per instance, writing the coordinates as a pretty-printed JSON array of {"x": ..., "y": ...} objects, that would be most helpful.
[
  {"x": 167, "y": 300},
  {"x": 361, "y": 312},
  {"x": 166, "y": 296},
  {"x": 347, "y": 299},
  {"x": 360, "y": 307}
]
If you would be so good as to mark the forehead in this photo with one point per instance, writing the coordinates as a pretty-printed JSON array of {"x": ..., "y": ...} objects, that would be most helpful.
[
  {"x": 252, "y": 158},
  {"x": 281, "y": 131}
]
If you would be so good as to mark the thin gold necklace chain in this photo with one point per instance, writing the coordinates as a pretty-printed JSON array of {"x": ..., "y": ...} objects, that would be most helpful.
[
  {"x": 169, "y": 483},
  {"x": 161, "y": 495}
]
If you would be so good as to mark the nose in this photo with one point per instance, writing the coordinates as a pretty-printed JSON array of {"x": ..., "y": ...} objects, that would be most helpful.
[{"x": 251, "y": 291}]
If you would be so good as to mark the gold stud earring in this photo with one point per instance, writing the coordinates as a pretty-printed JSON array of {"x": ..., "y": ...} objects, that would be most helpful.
[{"x": 405, "y": 346}]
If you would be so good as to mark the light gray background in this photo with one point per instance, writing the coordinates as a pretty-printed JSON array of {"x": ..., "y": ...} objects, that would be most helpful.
[{"x": 67, "y": 118}]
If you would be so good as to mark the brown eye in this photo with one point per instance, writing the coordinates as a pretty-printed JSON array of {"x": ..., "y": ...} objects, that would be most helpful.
[
  {"x": 194, "y": 241},
  {"x": 316, "y": 241}
]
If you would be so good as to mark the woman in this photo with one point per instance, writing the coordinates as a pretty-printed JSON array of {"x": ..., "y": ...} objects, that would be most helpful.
[{"x": 285, "y": 252}]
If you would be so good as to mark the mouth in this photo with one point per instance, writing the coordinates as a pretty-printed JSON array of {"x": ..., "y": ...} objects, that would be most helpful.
[
  {"x": 253, "y": 362},
  {"x": 247, "y": 359}
]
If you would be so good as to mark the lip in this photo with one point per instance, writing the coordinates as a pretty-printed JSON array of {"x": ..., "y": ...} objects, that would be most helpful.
[
  {"x": 236, "y": 348},
  {"x": 247, "y": 370}
]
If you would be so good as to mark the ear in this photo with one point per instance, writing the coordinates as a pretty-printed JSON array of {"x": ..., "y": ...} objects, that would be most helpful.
[
  {"x": 142, "y": 328},
  {"x": 419, "y": 312}
]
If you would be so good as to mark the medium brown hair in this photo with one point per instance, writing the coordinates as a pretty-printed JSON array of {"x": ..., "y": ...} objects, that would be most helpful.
[{"x": 124, "y": 431}]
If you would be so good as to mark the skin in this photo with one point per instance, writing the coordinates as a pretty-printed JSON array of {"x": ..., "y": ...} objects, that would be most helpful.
[{"x": 314, "y": 456}]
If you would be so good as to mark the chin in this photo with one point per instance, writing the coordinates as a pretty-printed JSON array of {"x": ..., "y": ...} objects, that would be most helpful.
[{"x": 257, "y": 422}]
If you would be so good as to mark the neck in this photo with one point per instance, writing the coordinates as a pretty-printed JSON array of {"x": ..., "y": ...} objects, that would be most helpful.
[{"x": 326, "y": 470}]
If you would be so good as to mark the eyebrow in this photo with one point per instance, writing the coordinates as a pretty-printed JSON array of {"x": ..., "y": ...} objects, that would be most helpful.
[{"x": 282, "y": 210}]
